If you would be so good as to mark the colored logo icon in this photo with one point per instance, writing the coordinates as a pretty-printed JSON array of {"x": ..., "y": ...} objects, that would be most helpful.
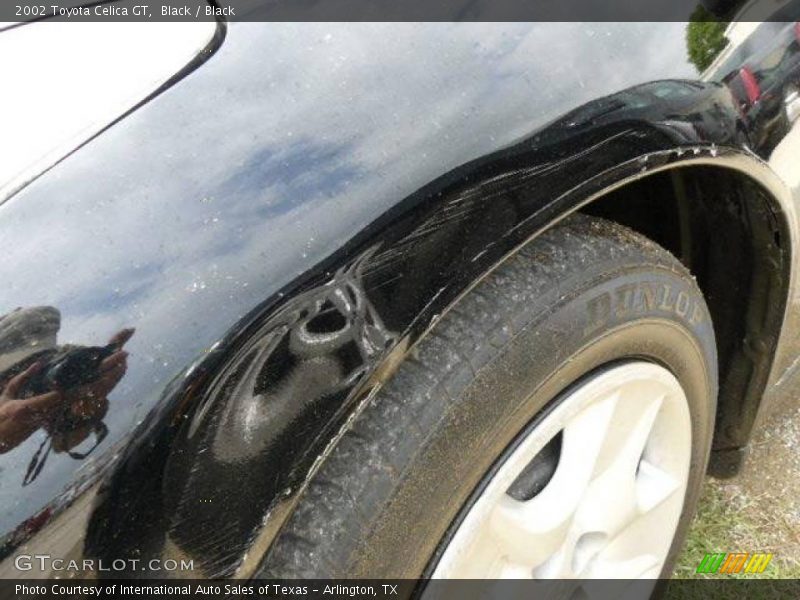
[{"x": 734, "y": 562}]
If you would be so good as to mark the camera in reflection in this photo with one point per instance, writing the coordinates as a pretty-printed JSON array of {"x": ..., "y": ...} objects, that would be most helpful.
[{"x": 66, "y": 368}]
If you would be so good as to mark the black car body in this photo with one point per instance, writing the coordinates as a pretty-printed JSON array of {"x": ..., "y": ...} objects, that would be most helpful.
[{"x": 282, "y": 223}]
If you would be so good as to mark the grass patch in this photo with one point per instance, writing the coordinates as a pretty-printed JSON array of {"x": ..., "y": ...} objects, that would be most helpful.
[{"x": 732, "y": 524}]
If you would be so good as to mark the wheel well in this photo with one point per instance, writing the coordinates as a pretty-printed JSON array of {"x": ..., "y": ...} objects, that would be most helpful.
[{"x": 730, "y": 233}]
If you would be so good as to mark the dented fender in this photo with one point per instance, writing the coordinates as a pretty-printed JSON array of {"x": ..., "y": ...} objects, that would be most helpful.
[{"x": 279, "y": 249}]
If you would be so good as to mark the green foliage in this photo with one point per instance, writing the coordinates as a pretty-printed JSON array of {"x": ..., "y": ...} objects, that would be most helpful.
[
  {"x": 705, "y": 38},
  {"x": 738, "y": 524}
]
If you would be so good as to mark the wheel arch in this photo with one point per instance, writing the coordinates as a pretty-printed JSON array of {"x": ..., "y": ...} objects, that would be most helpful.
[
  {"x": 694, "y": 208},
  {"x": 731, "y": 224},
  {"x": 390, "y": 285}
]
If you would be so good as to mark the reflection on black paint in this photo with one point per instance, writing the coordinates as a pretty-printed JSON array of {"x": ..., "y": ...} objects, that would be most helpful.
[
  {"x": 61, "y": 389},
  {"x": 295, "y": 375},
  {"x": 760, "y": 73},
  {"x": 273, "y": 256},
  {"x": 229, "y": 454}
]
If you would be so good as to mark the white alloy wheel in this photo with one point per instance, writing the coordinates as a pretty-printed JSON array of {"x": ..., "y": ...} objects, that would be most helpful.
[{"x": 612, "y": 505}]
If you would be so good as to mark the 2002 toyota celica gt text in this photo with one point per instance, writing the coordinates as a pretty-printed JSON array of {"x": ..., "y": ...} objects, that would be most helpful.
[{"x": 388, "y": 300}]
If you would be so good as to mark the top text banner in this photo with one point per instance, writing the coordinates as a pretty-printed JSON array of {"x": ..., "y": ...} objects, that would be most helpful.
[{"x": 15, "y": 11}]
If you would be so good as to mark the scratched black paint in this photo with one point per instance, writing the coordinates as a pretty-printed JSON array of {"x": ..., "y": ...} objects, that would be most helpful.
[{"x": 282, "y": 224}]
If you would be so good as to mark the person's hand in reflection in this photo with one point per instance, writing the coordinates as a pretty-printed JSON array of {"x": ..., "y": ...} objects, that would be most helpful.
[
  {"x": 88, "y": 403},
  {"x": 20, "y": 417}
]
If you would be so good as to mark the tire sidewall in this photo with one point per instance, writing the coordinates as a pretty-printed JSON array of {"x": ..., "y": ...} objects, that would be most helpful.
[{"x": 650, "y": 312}]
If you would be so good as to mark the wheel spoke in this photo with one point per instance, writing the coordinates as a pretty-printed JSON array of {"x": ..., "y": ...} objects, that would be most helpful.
[
  {"x": 610, "y": 508},
  {"x": 659, "y": 508},
  {"x": 627, "y": 435},
  {"x": 653, "y": 486},
  {"x": 611, "y": 501},
  {"x": 643, "y": 565},
  {"x": 535, "y": 529}
]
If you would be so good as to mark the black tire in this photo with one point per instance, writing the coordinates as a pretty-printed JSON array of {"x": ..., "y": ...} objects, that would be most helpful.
[{"x": 385, "y": 497}]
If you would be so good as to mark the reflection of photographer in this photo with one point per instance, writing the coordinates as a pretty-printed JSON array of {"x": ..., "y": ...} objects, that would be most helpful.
[{"x": 62, "y": 389}]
